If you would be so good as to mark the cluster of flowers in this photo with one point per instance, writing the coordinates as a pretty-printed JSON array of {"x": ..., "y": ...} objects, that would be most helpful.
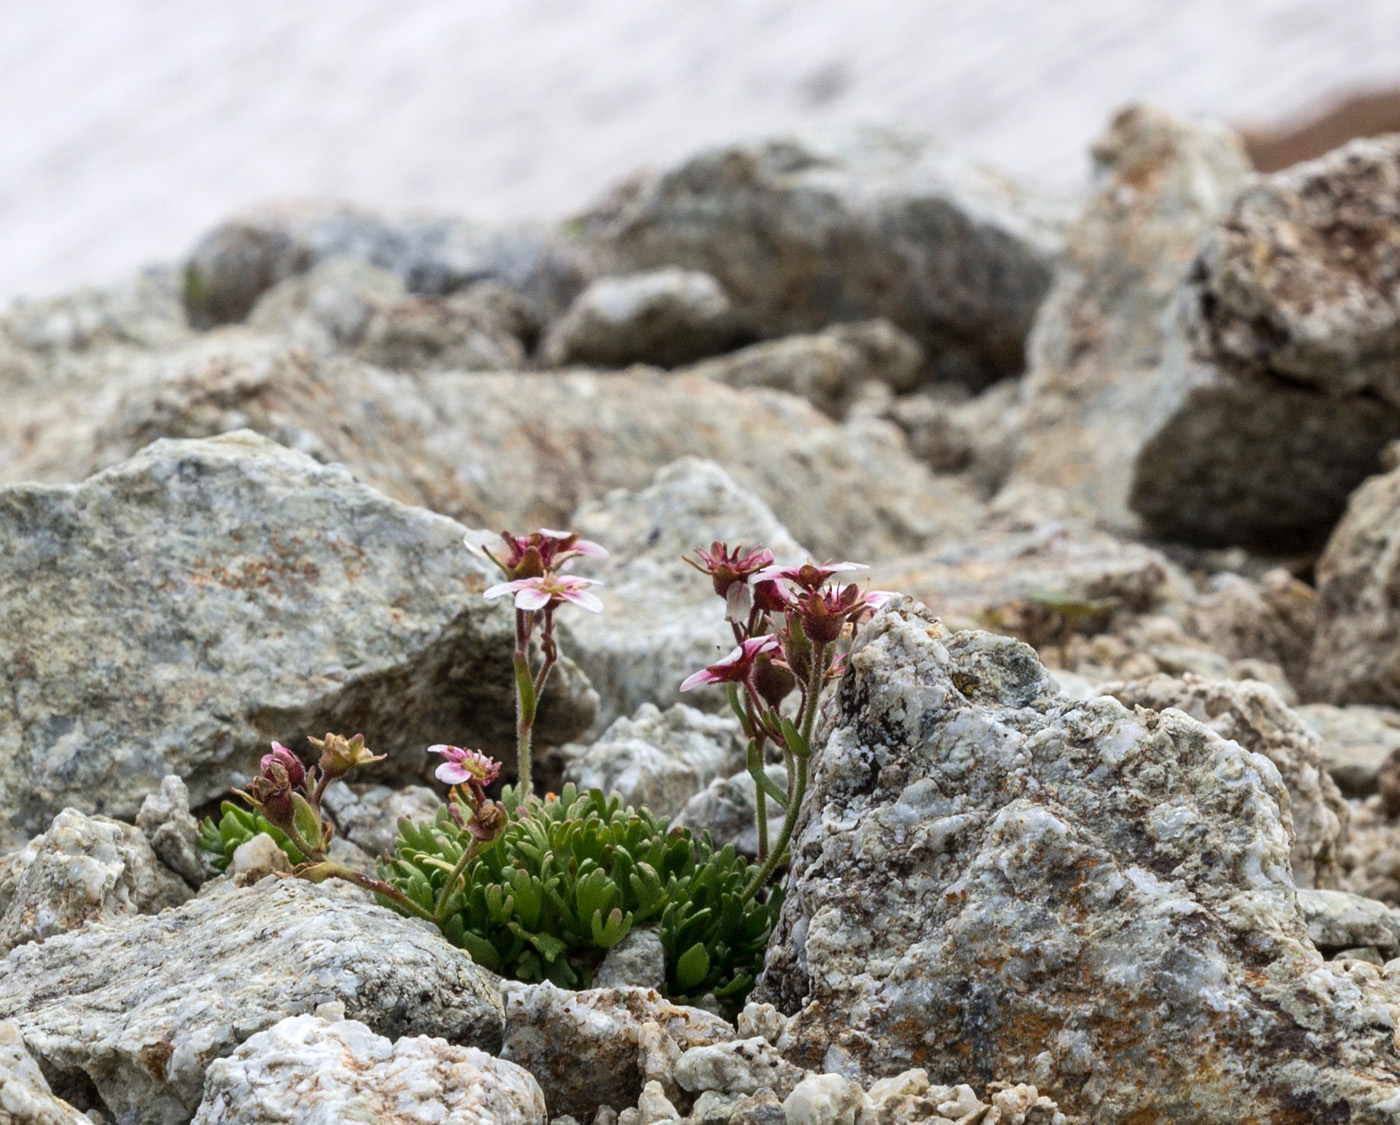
[{"x": 788, "y": 622}]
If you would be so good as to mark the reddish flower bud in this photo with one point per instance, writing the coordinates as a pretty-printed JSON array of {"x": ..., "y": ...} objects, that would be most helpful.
[
  {"x": 772, "y": 680},
  {"x": 290, "y": 763},
  {"x": 531, "y": 556}
]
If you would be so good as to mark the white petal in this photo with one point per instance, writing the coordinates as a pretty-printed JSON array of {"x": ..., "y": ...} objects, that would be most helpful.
[
  {"x": 531, "y": 597},
  {"x": 585, "y": 600},
  {"x": 499, "y": 590}
]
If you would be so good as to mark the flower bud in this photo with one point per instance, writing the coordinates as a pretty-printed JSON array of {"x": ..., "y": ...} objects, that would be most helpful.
[
  {"x": 290, "y": 763},
  {"x": 272, "y": 795},
  {"x": 773, "y": 681},
  {"x": 488, "y": 822}
]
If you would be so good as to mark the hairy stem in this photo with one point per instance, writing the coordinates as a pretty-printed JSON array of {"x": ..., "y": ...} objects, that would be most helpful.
[{"x": 326, "y": 870}]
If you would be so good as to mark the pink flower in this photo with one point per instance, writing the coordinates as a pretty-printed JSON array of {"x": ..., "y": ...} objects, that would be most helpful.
[
  {"x": 824, "y": 613},
  {"x": 549, "y": 591},
  {"x": 296, "y": 772},
  {"x": 465, "y": 767},
  {"x": 530, "y": 556},
  {"x": 730, "y": 570},
  {"x": 809, "y": 576},
  {"x": 734, "y": 668}
]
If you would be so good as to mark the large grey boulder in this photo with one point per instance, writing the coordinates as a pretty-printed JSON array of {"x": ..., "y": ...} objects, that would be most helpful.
[
  {"x": 662, "y": 620},
  {"x": 133, "y": 1013},
  {"x": 666, "y": 316},
  {"x": 175, "y": 613},
  {"x": 232, "y": 265},
  {"x": 319, "y": 1070},
  {"x": 848, "y": 224},
  {"x": 1253, "y": 715},
  {"x": 1356, "y": 741},
  {"x": 1281, "y": 391},
  {"x": 86, "y": 869},
  {"x": 990, "y": 876},
  {"x": 1097, "y": 347},
  {"x": 1356, "y": 652}
]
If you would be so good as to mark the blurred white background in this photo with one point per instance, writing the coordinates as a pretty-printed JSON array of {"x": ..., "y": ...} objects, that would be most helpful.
[{"x": 129, "y": 126}]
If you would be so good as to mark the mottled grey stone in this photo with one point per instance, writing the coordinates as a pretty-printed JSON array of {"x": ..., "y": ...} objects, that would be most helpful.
[
  {"x": 240, "y": 259},
  {"x": 849, "y": 224},
  {"x": 667, "y": 316},
  {"x": 1097, "y": 348},
  {"x": 86, "y": 869},
  {"x": 828, "y": 368},
  {"x": 1253, "y": 715},
  {"x": 1356, "y": 652},
  {"x": 1338, "y": 920},
  {"x": 166, "y": 821},
  {"x": 991, "y": 879},
  {"x": 662, "y": 618},
  {"x": 317, "y": 1071},
  {"x": 260, "y": 595},
  {"x": 25, "y": 1097},
  {"x": 369, "y": 815},
  {"x": 657, "y": 758},
  {"x": 637, "y": 961},
  {"x": 134, "y": 1012},
  {"x": 1283, "y": 391},
  {"x": 600, "y": 1047},
  {"x": 1356, "y": 741}
]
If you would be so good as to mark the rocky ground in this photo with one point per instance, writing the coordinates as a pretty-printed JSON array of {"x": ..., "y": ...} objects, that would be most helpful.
[{"x": 1105, "y": 814}]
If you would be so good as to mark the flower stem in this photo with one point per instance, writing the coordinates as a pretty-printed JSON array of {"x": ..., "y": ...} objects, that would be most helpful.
[
  {"x": 320, "y": 872},
  {"x": 524, "y": 721},
  {"x": 450, "y": 887},
  {"x": 784, "y": 834}
]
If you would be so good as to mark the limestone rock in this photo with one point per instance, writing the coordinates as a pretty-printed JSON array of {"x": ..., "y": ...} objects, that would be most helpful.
[
  {"x": 1356, "y": 741},
  {"x": 461, "y": 443},
  {"x": 25, "y": 1098},
  {"x": 659, "y": 758},
  {"x": 1273, "y": 619},
  {"x": 1282, "y": 393},
  {"x": 13, "y": 865},
  {"x": 952, "y": 433},
  {"x": 827, "y": 368},
  {"x": 86, "y": 869},
  {"x": 165, "y": 819},
  {"x": 805, "y": 231},
  {"x": 134, "y": 1012},
  {"x": 1098, "y": 343},
  {"x": 485, "y": 327},
  {"x": 600, "y": 1047},
  {"x": 826, "y": 1099},
  {"x": 327, "y": 308},
  {"x": 318, "y": 1071},
  {"x": 661, "y": 619},
  {"x": 1253, "y": 715},
  {"x": 240, "y": 259},
  {"x": 368, "y": 815},
  {"x": 726, "y": 808},
  {"x": 1356, "y": 653},
  {"x": 261, "y": 595},
  {"x": 637, "y": 961},
  {"x": 990, "y": 878},
  {"x": 1339, "y": 920},
  {"x": 666, "y": 317},
  {"x": 743, "y": 1066}
]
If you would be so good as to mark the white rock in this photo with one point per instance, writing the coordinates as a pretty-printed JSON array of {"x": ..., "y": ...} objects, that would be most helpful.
[{"x": 824, "y": 1099}]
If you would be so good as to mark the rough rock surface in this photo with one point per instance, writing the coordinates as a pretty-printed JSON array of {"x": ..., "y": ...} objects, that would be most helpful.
[
  {"x": 485, "y": 327},
  {"x": 261, "y": 595},
  {"x": 1253, "y": 715},
  {"x": 133, "y": 1013},
  {"x": 318, "y": 1071},
  {"x": 1271, "y": 619},
  {"x": 662, "y": 619},
  {"x": 460, "y": 443},
  {"x": 726, "y": 810},
  {"x": 25, "y": 1097},
  {"x": 828, "y": 368},
  {"x": 241, "y": 258},
  {"x": 1281, "y": 392},
  {"x": 991, "y": 877},
  {"x": 742, "y": 1066},
  {"x": 637, "y": 961},
  {"x": 1340, "y": 920},
  {"x": 1356, "y": 653},
  {"x": 86, "y": 869},
  {"x": 1098, "y": 341},
  {"x": 368, "y": 815},
  {"x": 600, "y": 1047},
  {"x": 1356, "y": 741},
  {"x": 666, "y": 317},
  {"x": 805, "y": 231},
  {"x": 165, "y": 819},
  {"x": 659, "y": 758},
  {"x": 952, "y": 433},
  {"x": 327, "y": 308}
]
